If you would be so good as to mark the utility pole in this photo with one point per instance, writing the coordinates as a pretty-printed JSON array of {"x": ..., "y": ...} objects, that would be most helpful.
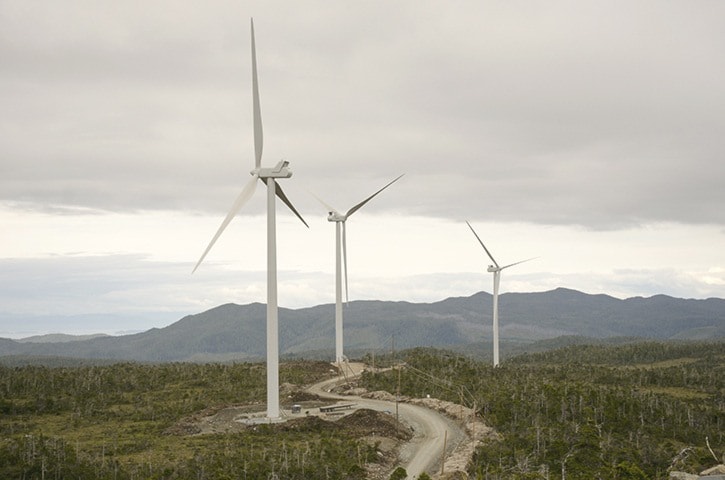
[
  {"x": 393, "y": 349},
  {"x": 443, "y": 456},
  {"x": 397, "y": 396},
  {"x": 473, "y": 423}
]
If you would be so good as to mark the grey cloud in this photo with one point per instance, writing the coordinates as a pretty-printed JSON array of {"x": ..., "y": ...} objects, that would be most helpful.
[{"x": 600, "y": 115}]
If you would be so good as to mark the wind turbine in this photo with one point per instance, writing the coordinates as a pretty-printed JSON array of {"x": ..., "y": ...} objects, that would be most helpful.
[
  {"x": 268, "y": 176},
  {"x": 341, "y": 261},
  {"x": 496, "y": 270}
]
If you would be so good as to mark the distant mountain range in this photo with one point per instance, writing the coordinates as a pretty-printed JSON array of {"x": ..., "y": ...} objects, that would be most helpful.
[{"x": 237, "y": 332}]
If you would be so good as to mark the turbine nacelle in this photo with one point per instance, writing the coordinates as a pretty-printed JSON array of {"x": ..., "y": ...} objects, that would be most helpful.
[
  {"x": 280, "y": 170},
  {"x": 336, "y": 217},
  {"x": 493, "y": 268}
]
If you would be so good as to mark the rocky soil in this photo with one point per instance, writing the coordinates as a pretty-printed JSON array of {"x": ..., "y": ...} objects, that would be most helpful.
[{"x": 377, "y": 429}]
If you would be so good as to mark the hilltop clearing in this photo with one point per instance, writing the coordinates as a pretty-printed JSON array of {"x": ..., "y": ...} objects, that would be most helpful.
[{"x": 425, "y": 428}]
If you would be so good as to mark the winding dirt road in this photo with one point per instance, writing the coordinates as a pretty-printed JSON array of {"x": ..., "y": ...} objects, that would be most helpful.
[{"x": 431, "y": 430}]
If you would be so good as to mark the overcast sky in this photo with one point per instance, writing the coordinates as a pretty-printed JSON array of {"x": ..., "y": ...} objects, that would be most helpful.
[{"x": 588, "y": 134}]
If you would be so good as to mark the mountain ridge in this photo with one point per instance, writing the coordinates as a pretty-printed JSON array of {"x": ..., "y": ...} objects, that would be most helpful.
[{"x": 238, "y": 332}]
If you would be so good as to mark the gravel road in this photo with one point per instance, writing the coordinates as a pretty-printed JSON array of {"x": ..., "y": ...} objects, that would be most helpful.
[{"x": 431, "y": 430}]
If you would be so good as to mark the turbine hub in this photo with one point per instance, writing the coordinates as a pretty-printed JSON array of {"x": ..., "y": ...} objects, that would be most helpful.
[{"x": 492, "y": 268}]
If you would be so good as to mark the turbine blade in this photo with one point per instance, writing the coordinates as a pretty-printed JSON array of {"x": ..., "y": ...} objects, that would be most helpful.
[
  {"x": 344, "y": 258},
  {"x": 326, "y": 205},
  {"x": 258, "y": 135},
  {"x": 245, "y": 195},
  {"x": 522, "y": 261},
  {"x": 484, "y": 246},
  {"x": 283, "y": 197},
  {"x": 359, "y": 205}
]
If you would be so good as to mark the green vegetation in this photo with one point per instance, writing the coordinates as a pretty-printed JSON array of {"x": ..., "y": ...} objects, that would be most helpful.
[
  {"x": 399, "y": 474},
  {"x": 616, "y": 412},
  {"x": 628, "y": 411},
  {"x": 113, "y": 422}
]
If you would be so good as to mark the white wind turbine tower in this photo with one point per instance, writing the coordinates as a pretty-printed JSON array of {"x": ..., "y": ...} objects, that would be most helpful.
[
  {"x": 341, "y": 261},
  {"x": 268, "y": 176},
  {"x": 496, "y": 270}
]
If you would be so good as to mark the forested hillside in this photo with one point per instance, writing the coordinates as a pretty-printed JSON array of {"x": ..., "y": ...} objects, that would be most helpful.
[
  {"x": 237, "y": 332},
  {"x": 631, "y": 411},
  {"x": 613, "y": 412}
]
